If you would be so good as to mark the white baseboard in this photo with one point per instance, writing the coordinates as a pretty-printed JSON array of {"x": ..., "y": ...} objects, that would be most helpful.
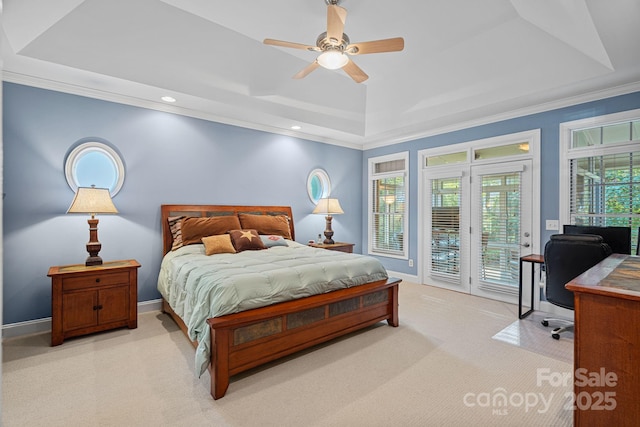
[
  {"x": 403, "y": 276},
  {"x": 44, "y": 325}
]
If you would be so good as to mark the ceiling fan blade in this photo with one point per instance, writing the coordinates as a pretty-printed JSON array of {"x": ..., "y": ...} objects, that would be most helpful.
[
  {"x": 304, "y": 72},
  {"x": 377, "y": 46},
  {"x": 281, "y": 43},
  {"x": 336, "y": 17},
  {"x": 355, "y": 72}
]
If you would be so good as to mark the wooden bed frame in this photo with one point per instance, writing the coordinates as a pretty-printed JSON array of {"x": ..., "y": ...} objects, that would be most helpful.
[{"x": 244, "y": 340}]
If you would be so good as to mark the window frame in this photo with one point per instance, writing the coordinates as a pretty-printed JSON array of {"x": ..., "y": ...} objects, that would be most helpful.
[
  {"x": 371, "y": 178},
  {"x": 568, "y": 153},
  {"x": 108, "y": 153},
  {"x": 325, "y": 183}
]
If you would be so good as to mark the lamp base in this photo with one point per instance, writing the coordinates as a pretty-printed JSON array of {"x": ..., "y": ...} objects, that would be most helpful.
[
  {"x": 328, "y": 232},
  {"x": 93, "y": 260},
  {"x": 93, "y": 246}
]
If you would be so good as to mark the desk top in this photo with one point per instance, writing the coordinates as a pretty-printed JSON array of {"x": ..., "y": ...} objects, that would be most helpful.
[
  {"x": 536, "y": 258},
  {"x": 617, "y": 276}
]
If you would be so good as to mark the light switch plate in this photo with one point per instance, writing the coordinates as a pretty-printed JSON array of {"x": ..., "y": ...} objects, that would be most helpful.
[{"x": 552, "y": 224}]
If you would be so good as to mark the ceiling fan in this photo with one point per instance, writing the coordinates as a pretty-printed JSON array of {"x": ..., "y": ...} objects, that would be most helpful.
[{"x": 336, "y": 46}]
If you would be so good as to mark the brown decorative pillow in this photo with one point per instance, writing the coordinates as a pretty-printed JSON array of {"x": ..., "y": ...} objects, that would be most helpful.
[
  {"x": 246, "y": 240},
  {"x": 194, "y": 229},
  {"x": 175, "y": 223},
  {"x": 267, "y": 224},
  {"x": 220, "y": 244}
]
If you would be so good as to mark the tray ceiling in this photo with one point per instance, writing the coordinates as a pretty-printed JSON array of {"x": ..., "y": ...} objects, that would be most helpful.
[{"x": 465, "y": 62}]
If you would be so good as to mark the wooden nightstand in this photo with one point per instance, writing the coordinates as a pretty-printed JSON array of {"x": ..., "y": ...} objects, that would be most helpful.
[
  {"x": 338, "y": 246},
  {"x": 92, "y": 299}
]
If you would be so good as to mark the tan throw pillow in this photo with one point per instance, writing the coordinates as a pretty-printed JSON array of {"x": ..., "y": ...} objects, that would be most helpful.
[
  {"x": 246, "y": 240},
  {"x": 175, "y": 223},
  {"x": 194, "y": 229},
  {"x": 266, "y": 224},
  {"x": 220, "y": 244}
]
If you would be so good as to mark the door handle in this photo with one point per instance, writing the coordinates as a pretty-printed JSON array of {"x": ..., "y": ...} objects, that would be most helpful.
[{"x": 525, "y": 245}]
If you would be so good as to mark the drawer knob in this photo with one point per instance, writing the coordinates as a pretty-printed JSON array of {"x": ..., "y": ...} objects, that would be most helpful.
[{"x": 97, "y": 280}]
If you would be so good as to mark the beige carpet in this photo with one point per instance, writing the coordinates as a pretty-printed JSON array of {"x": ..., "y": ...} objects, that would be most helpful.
[{"x": 441, "y": 367}]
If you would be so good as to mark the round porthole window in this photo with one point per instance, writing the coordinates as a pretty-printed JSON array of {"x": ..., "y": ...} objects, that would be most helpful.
[
  {"x": 318, "y": 185},
  {"x": 94, "y": 163}
]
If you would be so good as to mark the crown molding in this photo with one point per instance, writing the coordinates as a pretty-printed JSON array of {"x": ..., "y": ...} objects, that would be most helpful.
[
  {"x": 133, "y": 101},
  {"x": 521, "y": 112},
  {"x": 378, "y": 141}
]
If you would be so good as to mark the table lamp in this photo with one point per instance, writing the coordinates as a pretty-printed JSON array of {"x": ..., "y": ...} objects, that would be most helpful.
[
  {"x": 328, "y": 207},
  {"x": 92, "y": 200}
]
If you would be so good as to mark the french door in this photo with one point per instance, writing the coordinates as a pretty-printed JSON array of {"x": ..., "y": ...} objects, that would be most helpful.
[
  {"x": 477, "y": 221},
  {"x": 501, "y": 204}
]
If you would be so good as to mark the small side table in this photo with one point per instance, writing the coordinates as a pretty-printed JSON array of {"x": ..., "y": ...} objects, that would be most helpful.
[
  {"x": 533, "y": 259},
  {"x": 88, "y": 299},
  {"x": 338, "y": 246}
]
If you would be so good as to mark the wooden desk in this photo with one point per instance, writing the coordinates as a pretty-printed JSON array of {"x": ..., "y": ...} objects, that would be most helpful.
[{"x": 607, "y": 341}]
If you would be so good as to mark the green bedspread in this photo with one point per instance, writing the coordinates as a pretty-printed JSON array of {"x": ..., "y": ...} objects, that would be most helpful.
[{"x": 198, "y": 287}]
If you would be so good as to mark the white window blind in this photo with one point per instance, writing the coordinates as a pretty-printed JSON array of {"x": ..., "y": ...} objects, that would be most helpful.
[
  {"x": 500, "y": 244},
  {"x": 605, "y": 191},
  {"x": 388, "y": 205},
  {"x": 390, "y": 166},
  {"x": 445, "y": 228}
]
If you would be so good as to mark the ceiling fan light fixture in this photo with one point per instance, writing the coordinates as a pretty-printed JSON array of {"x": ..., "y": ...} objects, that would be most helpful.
[
  {"x": 334, "y": 46},
  {"x": 332, "y": 59}
]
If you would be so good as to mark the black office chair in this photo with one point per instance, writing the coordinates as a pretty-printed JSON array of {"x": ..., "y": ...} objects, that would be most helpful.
[{"x": 566, "y": 256}]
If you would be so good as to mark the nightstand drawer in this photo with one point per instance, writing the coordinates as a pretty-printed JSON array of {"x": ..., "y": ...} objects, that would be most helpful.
[{"x": 98, "y": 279}]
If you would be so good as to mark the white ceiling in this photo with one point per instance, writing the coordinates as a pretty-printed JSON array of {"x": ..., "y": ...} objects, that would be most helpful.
[{"x": 465, "y": 61}]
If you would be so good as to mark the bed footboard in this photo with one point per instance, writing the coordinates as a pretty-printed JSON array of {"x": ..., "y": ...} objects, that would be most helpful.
[{"x": 248, "y": 339}]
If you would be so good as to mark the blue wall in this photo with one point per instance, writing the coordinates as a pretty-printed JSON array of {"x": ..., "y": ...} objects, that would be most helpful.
[
  {"x": 169, "y": 159},
  {"x": 549, "y": 124},
  {"x": 176, "y": 159}
]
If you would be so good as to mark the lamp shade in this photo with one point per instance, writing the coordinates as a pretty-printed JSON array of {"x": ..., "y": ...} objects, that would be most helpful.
[
  {"x": 328, "y": 207},
  {"x": 92, "y": 200}
]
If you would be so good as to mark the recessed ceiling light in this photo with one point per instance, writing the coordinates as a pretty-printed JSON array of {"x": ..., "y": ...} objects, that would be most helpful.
[
  {"x": 296, "y": 127},
  {"x": 168, "y": 99}
]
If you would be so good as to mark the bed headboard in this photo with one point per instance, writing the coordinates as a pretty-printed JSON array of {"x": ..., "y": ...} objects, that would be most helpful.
[{"x": 167, "y": 211}]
